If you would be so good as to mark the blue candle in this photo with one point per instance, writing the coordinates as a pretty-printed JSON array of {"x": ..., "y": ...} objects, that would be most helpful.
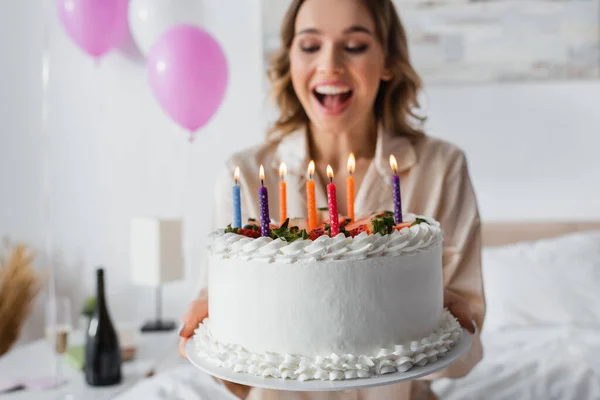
[
  {"x": 237, "y": 203},
  {"x": 396, "y": 191},
  {"x": 263, "y": 200}
]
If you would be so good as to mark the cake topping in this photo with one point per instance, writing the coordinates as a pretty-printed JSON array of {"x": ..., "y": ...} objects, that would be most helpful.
[
  {"x": 382, "y": 223},
  {"x": 290, "y": 244}
]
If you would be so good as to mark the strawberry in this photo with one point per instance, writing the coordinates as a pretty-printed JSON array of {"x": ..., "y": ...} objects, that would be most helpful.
[
  {"x": 360, "y": 222},
  {"x": 315, "y": 233},
  {"x": 251, "y": 233},
  {"x": 400, "y": 226},
  {"x": 359, "y": 229}
]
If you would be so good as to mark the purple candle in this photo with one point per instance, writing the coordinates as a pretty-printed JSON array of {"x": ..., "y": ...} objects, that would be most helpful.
[
  {"x": 263, "y": 199},
  {"x": 396, "y": 191}
]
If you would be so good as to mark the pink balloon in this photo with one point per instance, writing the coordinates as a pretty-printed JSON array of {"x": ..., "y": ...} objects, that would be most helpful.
[
  {"x": 188, "y": 75},
  {"x": 95, "y": 25}
]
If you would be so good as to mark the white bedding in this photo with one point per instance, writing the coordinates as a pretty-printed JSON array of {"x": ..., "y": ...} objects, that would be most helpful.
[
  {"x": 541, "y": 336},
  {"x": 183, "y": 382},
  {"x": 531, "y": 363}
]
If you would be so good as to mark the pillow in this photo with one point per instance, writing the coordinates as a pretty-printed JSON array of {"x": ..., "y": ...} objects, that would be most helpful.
[{"x": 549, "y": 281}]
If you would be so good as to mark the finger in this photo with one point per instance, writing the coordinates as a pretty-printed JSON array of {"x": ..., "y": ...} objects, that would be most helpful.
[
  {"x": 198, "y": 311},
  {"x": 465, "y": 318},
  {"x": 189, "y": 326},
  {"x": 182, "y": 343}
]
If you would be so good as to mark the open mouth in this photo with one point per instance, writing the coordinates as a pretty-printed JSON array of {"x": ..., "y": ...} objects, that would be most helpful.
[{"x": 333, "y": 100}]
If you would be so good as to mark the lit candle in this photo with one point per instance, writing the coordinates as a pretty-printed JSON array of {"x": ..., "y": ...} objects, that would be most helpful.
[
  {"x": 350, "y": 186},
  {"x": 282, "y": 193},
  {"x": 332, "y": 203},
  {"x": 396, "y": 190},
  {"x": 263, "y": 199},
  {"x": 311, "y": 199},
  {"x": 237, "y": 203}
]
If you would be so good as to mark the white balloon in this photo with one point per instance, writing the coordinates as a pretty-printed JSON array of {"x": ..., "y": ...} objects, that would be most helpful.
[{"x": 149, "y": 19}]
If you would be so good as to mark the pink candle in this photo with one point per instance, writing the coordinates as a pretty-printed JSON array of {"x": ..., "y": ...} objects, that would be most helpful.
[{"x": 332, "y": 203}]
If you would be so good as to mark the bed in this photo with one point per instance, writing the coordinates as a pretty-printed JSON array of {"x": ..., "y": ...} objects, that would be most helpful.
[{"x": 541, "y": 336}]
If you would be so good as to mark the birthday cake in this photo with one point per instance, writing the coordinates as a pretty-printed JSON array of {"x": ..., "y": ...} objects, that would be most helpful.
[{"x": 300, "y": 304}]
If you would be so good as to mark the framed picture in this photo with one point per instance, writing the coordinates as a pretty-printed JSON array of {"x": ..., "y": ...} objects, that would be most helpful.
[{"x": 488, "y": 41}]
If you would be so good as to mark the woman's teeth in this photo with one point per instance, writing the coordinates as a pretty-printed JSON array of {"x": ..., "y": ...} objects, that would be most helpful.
[
  {"x": 328, "y": 89},
  {"x": 332, "y": 97}
]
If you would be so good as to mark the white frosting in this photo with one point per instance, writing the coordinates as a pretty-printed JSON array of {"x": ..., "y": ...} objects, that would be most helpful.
[
  {"x": 400, "y": 357},
  {"x": 405, "y": 241},
  {"x": 326, "y": 306}
]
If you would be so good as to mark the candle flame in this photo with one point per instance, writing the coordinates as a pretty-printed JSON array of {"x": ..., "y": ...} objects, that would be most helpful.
[
  {"x": 393, "y": 163},
  {"x": 282, "y": 170},
  {"x": 261, "y": 173},
  {"x": 329, "y": 172},
  {"x": 236, "y": 174},
  {"x": 351, "y": 163},
  {"x": 311, "y": 168}
]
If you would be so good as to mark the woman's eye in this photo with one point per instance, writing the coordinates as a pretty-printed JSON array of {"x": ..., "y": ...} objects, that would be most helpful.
[
  {"x": 357, "y": 49},
  {"x": 309, "y": 49}
]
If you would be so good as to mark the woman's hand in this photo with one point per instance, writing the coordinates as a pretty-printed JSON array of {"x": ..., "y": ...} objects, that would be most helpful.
[
  {"x": 459, "y": 307},
  {"x": 197, "y": 311}
]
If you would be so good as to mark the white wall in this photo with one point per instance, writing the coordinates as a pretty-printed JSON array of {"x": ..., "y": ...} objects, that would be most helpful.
[
  {"x": 114, "y": 155},
  {"x": 20, "y": 110},
  {"x": 532, "y": 148}
]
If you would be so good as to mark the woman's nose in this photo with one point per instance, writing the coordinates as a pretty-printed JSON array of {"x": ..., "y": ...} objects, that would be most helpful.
[{"x": 331, "y": 62}]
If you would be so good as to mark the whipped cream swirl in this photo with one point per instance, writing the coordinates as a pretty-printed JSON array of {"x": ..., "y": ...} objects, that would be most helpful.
[
  {"x": 400, "y": 358},
  {"x": 360, "y": 247}
]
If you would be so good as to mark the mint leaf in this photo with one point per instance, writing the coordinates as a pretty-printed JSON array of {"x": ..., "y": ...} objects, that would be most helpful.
[
  {"x": 230, "y": 229},
  {"x": 419, "y": 221},
  {"x": 287, "y": 233},
  {"x": 383, "y": 223}
]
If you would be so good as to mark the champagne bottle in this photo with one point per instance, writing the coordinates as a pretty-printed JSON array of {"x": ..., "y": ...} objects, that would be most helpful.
[{"x": 102, "y": 351}]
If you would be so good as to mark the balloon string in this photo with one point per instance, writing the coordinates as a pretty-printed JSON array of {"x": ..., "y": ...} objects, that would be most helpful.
[
  {"x": 185, "y": 191},
  {"x": 187, "y": 177},
  {"x": 46, "y": 194}
]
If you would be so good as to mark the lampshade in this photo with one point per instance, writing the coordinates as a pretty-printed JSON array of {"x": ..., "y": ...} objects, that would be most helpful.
[{"x": 156, "y": 251}]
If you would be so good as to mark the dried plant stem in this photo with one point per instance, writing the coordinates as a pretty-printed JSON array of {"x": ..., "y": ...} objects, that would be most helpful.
[{"x": 19, "y": 286}]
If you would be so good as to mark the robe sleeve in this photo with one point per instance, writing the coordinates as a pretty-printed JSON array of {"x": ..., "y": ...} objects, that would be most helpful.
[{"x": 459, "y": 218}]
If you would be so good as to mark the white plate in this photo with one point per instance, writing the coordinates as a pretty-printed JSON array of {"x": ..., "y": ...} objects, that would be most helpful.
[{"x": 317, "y": 385}]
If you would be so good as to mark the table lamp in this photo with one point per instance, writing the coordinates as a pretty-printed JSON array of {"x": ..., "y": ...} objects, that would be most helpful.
[{"x": 156, "y": 258}]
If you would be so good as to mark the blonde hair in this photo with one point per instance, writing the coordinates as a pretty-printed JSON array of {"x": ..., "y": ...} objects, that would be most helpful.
[{"x": 397, "y": 98}]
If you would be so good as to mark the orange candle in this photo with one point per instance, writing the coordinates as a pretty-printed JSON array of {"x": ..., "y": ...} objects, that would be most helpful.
[
  {"x": 311, "y": 200},
  {"x": 350, "y": 186},
  {"x": 282, "y": 193}
]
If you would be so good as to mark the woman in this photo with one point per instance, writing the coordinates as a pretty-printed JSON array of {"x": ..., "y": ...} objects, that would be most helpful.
[{"x": 344, "y": 83}]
